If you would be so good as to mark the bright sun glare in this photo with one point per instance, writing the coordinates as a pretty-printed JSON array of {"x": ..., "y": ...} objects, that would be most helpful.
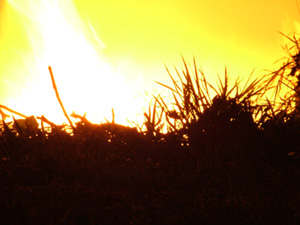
[
  {"x": 141, "y": 36},
  {"x": 86, "y": 82}
]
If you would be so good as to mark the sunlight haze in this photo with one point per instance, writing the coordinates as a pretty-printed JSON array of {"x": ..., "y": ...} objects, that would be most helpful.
[{"x": 108, "y": 54}]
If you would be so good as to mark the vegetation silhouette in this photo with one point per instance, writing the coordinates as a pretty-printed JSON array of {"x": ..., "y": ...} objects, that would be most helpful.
[{"x": 215, "y": 155}]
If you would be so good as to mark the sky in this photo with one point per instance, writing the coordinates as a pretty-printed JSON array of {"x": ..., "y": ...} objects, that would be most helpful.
[
  {"x": 108, "y": 54},
  {"x": 239, "y": 34}
]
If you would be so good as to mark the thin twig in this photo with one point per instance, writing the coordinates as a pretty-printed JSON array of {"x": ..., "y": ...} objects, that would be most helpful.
[
  {"x": 58, "y": 98},
  {"x": 45, "y": 120},
  {"x": 12, "y": 111},
  {"x": 113, "y": 116}
]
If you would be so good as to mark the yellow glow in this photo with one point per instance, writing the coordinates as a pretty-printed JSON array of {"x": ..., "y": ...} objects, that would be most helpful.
[
  {"x": 85, "y": 81},
  {"x": 104, "y": 54}
]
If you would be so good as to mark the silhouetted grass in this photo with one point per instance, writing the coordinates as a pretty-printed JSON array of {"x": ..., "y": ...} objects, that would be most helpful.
[{"x": 215, "y": 155}]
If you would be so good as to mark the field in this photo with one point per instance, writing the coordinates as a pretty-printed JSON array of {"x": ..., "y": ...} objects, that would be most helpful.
[{"x": 231, "y": 157}]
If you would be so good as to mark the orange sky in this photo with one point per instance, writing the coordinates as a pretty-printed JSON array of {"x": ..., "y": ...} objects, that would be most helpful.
[{"x": 140, "y": 37}]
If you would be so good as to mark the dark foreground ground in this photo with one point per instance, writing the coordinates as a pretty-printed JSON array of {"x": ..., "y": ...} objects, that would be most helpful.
[{"x": 103, "y": 177}]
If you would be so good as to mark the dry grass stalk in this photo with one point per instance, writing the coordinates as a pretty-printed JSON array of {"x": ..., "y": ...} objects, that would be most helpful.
[
  {"x": 287, "y": 76},
  {"x": 153, "y": 121},
  {"x": 192, "y": 95}
]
